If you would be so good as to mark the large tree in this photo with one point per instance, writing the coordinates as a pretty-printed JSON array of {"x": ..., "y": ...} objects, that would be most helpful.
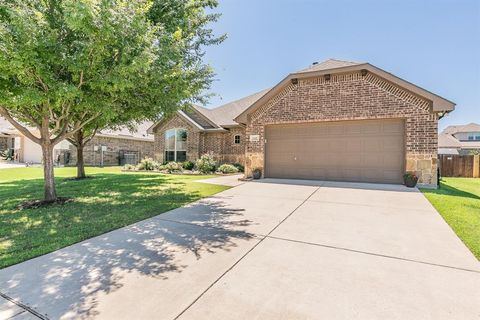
[{"x": 66, "y": 65}]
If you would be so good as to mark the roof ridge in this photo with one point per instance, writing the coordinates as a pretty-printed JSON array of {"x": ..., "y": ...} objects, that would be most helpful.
[
  {"x": 340, "y": 60},
  {"x": 240, "y": 99}
]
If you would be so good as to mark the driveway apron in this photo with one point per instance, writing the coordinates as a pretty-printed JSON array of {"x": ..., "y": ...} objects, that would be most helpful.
[{"x": 274, "y": 249}]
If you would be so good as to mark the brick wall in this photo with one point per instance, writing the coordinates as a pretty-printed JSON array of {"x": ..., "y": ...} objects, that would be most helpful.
[
  {"x": 111, "y": 155},
  {"x": 221, "y": 144},
  {"x": 193, "y": 137},
  {"x": 351, "y": 97},
  {"x": 3, "y": 143}
]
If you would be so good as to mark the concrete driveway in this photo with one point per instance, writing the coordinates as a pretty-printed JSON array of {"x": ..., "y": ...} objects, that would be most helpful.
[
  {"x": 8, "y": 165},
  {"x": 274, "y": 249}
]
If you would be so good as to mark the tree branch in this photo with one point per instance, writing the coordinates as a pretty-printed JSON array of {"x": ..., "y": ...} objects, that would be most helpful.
[
  {"x": 4, "y": 112},
  {"x": 79, "y": 125},
  {"x": 90, "y": 137},
  {"x": 44, "y": 86},
  {"x": 58, "y": 121},
  {"x": 80, "y": 83}
]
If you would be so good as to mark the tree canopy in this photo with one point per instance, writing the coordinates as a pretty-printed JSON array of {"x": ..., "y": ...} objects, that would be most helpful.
[{"x": 65, "y": 64}]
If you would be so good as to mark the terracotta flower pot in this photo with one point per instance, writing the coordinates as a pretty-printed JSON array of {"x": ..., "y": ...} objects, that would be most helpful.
[
  {"x": 257, "y": 174},
  {"x": 410, "y": 180}
]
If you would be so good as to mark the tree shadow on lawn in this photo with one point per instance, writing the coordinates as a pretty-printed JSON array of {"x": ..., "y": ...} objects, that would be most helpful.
[
  {"x": 70, "y": 280},
  {"x": 113, "y": 199},
  {"x": 446, "y": 189}
]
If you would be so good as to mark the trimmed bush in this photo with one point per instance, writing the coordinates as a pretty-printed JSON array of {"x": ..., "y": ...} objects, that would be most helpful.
[
  {"x": 227, "y": 168},
  {"x": 147, "y": 164},
  {"x": 206, "y": 163},
  {"x": 172, "y": 166},
  {"x": 129, "y": 167},
  {"x": 239, "y": 166},
  {"x": 188, "y": 165}
]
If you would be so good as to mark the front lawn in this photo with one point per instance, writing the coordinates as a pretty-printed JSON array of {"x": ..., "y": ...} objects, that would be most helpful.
[
  {"x": 458, "y": 201},
  {"x": 108, "y": 201}
]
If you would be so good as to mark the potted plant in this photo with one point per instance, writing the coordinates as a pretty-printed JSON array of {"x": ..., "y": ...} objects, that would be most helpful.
[
  {"x": 257, "y": 173},
  {"x": 410, "y": 179}
]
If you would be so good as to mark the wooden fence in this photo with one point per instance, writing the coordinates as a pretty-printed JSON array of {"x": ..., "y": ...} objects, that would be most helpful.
[{"x": 459, "y": 166}]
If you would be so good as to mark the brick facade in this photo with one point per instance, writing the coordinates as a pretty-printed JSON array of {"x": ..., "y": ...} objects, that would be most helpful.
[
  {"x": 220, "y": 144},
  {"x": 351, "y": 96},
  {"x": 193, "y": 138},
  {"x": 3, "y": 143},
  {"x": 115, "y": 146}
]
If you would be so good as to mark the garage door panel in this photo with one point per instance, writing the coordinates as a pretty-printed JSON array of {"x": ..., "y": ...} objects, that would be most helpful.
[
  {"x": 354, "y": 145},
  {"x": 370, "y": 151},
  {"x": 396, "y": 127}
]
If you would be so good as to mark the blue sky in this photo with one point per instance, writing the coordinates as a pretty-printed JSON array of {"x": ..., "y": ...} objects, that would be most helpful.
[{"x": 434, "y": 44}]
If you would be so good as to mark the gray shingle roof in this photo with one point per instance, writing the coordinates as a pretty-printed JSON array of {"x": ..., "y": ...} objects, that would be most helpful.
[
  {"x": 4, "y": 124},
  {"x": 224, "y": 115},
  {"x": 140, "y": 132},
  {"x": 471, "y": 127},
  {"x": 122, "y": 132},
  {"x": 446, "y": 140},
  {"x": 329, "y": 64}
]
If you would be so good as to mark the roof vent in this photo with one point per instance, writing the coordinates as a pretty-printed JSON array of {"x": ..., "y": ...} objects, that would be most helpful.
[{"x": 314, "y": 63}]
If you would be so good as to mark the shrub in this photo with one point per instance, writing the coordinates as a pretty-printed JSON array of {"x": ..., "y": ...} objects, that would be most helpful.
[
  {"x": 147, "y": 164},
  {"x": 129, "y": 167},
  {"x": 173, "y": 166},
  {"x": 206, "y": 163},
  {"x": 227, "y": 168},
  {"x": 257, "y": 173},
  {"x": 239, "y": 166},
  {"x": 188, "y": 165}
]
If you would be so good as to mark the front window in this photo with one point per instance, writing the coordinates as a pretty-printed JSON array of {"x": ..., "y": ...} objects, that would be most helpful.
[
  {"x": 470, "y": 137},
  {"x": 176, "y": 145},
  {"x": 236, "y": 139},
  {"x": 477, "y": 137}
]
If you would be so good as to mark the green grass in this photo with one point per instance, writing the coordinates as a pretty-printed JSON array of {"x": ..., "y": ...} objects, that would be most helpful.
[
  {"x": 108, "y": 201},
  {"x": 458, "y": 201}
]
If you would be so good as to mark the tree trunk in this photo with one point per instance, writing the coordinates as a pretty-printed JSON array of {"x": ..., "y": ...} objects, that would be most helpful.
[
  {"x": 48, "y": 175},
  {"x": 80, "y": 162}
]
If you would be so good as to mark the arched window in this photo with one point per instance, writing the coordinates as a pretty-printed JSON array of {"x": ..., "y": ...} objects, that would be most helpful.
[{"x": 176, "y": 145}]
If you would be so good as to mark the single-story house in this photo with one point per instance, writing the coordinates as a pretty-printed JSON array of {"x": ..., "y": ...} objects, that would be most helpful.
[
  {"x": 108, "y": 147},
  {"x": 115, "y": 147},
  {"x": 335, "y": 120},
  {"x": 460, "y": 140},
  {"x": 7, "y": 135}
]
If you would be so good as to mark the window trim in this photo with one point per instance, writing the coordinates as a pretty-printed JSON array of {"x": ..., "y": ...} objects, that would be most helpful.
[
  {"x": 175, "y": 150},
  {"x": 235, "y": 139}
]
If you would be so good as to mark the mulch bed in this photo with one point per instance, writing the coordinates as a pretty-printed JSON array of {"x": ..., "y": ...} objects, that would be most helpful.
[{"x": 35, "y": 204}]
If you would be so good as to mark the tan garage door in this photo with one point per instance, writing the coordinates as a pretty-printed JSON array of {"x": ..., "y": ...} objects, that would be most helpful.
[{"x": 366, "y": 151}]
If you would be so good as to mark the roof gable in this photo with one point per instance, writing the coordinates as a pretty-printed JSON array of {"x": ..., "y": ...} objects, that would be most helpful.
[
  {"x": 471, "y": 127},
  {"x": 225, "y": 114},
  {"x": 331, "y": 66},
  {"x": 446, "y": 140}
]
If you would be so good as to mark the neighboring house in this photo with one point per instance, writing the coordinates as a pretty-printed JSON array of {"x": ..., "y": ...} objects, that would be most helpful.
[
  {"x": 7, "y": 136},
  {"x": 24, "y": 149},
  {"x": 108, "y": 147},
  {"x": 460, "y": 140},
  {"x": 115, "y": 147},
  {"x": 335, "y": 120}
]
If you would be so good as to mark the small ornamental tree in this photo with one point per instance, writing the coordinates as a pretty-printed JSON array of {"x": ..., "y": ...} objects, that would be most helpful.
[
  {"x": 79, "y": 139},
  {"x": 66, "y": 65}
]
